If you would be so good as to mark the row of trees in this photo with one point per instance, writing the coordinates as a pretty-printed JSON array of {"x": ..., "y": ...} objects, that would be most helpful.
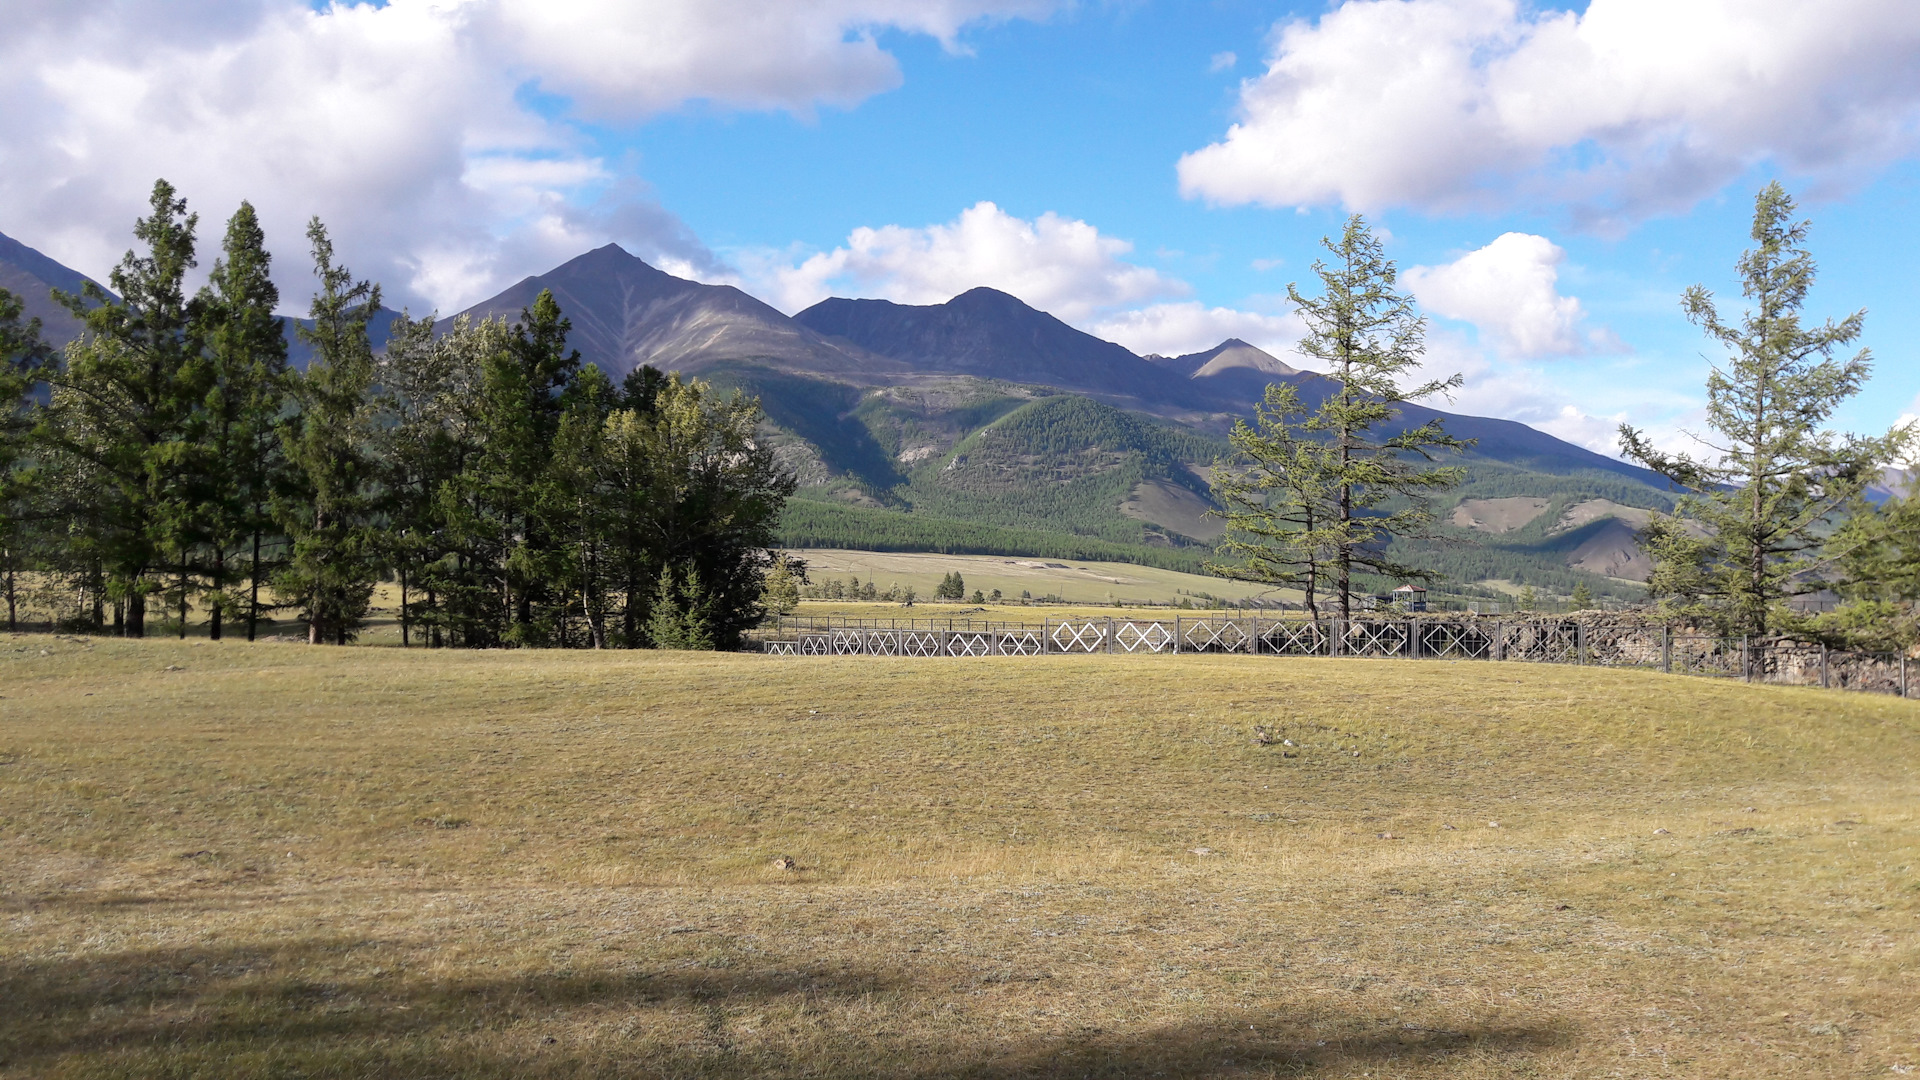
[
  {"x": 1777, "y": 507},
  {"x": 172, "y": 456}
]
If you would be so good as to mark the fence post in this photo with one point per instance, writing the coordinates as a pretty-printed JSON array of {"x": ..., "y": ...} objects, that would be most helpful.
[
  {"x": 1176, "y": 635},
  {"x": 1413, "y": 640},
  {"x": 1046, "y": 634},
  {"x": 1823, "y": 665},
  {"x": 1666, "y": 648},
  {"x": 1903, "y": 675},
  {"x": 1746, "y": 659},
  {"x": 1109, "y": 635},
  {"x": 1580, "y": 643}
]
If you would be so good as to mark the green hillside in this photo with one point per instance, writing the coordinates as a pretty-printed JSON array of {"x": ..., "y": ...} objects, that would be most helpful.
[
  {"x": 812, "y": 523},
  {"x": 964, "y": 465}
]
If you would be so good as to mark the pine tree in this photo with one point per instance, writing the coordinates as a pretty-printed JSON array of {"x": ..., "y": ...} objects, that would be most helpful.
[
  {"x": 247, "y": 347},
  {"x": 1777, "y": 477},
  {"x": 123, "y": 414},
  {"x": 24, "y": 359},
  {"x": 1280, "y": 500},
  {"x": 1582, "y": 598},
  {"x": 329, "y": 514},
  {"x": 1368, "y": 335}
]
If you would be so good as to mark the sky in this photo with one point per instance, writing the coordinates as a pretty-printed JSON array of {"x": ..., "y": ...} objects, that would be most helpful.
[{"x": 1548, "y": 178}]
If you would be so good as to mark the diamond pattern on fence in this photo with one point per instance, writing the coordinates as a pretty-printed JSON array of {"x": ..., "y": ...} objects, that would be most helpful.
[
  {"x": 1213, "y": 635},
  {"x": 1021, "y": 642},
  {"x": 1068, "y": 637},
  {"x": 1293, "y": 639},
  {"x": 970, "y": 643},
  {"x": 849, "y": 642},
  {"x": 1454, "y": 641},
  {"x": 1541, "y": 643},
  {"x": 881, "y": 642},
  {"x": 783, "y": 648},
  {"x": 920, "y": 643},
  {"x": 1375, "y": 639},
  {"x": 816, "y": 645},
  {"x": 1151, "y": 637}
]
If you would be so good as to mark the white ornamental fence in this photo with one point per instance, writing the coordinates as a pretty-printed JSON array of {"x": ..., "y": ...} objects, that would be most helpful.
[{"x": 1550, "y": 641}]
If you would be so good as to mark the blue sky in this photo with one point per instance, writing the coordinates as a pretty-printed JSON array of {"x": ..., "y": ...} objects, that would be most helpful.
[{"x": 1550, "y": 178}]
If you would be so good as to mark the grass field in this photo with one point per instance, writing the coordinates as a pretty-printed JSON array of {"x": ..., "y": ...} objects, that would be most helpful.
[
  {"x": 270, "y": 860},
  {"x": 1076, "y": 582}
]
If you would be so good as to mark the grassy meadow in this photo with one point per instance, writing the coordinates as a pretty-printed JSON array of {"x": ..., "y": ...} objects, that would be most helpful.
[{"x": 272, "y": 860}]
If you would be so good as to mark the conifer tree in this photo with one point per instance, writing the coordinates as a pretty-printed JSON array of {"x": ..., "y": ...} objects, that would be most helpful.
[
  {"x": 1369, "y": 336},
  {"x": 1776, "y": 478},
  {"x": 329, "y": 513},
  {"x": 247, "y": 346},
  {"x": 1279, "y": 499},
  {"x": 124, "y": 408},
  {"x": 24, "y": 358}
]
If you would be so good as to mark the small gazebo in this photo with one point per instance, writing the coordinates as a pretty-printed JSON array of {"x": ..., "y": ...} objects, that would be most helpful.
[{"x": 1411, "y": 597}]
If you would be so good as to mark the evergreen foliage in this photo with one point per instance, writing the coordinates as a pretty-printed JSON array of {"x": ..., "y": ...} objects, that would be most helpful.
[
  {"x": 518, "y": 497},
  {"x": 328, "y": 512},
  {"x": 1324, "y": 493},
  {"x": 23, "y": 358},
  {"x": 1278, "y": 499},
  {"x": 1777, "y": 478}
]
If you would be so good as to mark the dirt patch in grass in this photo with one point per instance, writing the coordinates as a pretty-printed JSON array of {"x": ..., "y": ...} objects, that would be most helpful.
[{"x": 275, "y": 860}]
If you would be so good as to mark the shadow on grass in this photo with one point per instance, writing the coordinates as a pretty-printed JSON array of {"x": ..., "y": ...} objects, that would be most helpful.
[{"x": 274, "y": 1011}]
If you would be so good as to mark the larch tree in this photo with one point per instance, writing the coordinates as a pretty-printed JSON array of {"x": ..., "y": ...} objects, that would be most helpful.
[
  {"x": 1379, "y": 476},
  {"x": 329, "y": 513},
  {"x": 1775, "y": 477},
  {"x": 1279, "y": 498}
]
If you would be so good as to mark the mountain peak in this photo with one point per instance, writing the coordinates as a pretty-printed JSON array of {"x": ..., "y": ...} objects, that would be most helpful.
[{"x": 626, "y": 312}]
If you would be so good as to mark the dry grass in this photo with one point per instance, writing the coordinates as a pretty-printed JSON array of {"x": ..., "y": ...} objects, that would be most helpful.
[
  {"x": 270, "y": 860},
  {"x": 1079, "y": 582}
]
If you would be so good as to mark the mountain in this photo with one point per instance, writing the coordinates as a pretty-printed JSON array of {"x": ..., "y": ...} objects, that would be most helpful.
[
  {"x": 985, "y": 418},
  {"x": 626, "y": 313},
  {"x": 32, "y": 277},
  {"x": 1229, "y": 356},
  {"x": 988, "y": 334}
]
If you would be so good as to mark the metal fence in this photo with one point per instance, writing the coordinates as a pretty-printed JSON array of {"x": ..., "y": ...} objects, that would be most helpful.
[{"x": 1649, "y": 646}]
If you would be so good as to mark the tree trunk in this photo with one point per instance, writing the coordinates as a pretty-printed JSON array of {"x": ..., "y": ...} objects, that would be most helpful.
[
  {"x": 13, "y": 620},
  {"x": 183, "y": 594},
  {"x": 405, "y": 637},
  {"x": 253, "y": 587},
  {"x": 136, "y": 611},
  {"x": 220, "y": 596}
]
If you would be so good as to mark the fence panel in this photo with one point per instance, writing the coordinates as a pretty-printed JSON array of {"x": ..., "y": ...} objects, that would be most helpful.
[{"x": 1550, "y": 641}]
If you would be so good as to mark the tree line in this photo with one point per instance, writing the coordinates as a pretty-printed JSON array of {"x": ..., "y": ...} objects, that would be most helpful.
[
  {"x": 1777, "y": 506},
  {"x": 171, "y": 461}
]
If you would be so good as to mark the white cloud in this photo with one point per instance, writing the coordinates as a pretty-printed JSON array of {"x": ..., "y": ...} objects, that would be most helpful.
[
  {"x": 1631, "y": 108},
  {"x": 1510, "y": 291},
  {"x": 1222, "y": 61},
  {"x": 1189, "y": 327},
  {"x": 409, "y": 127},
  {"x": 1059, "y": 265}
]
